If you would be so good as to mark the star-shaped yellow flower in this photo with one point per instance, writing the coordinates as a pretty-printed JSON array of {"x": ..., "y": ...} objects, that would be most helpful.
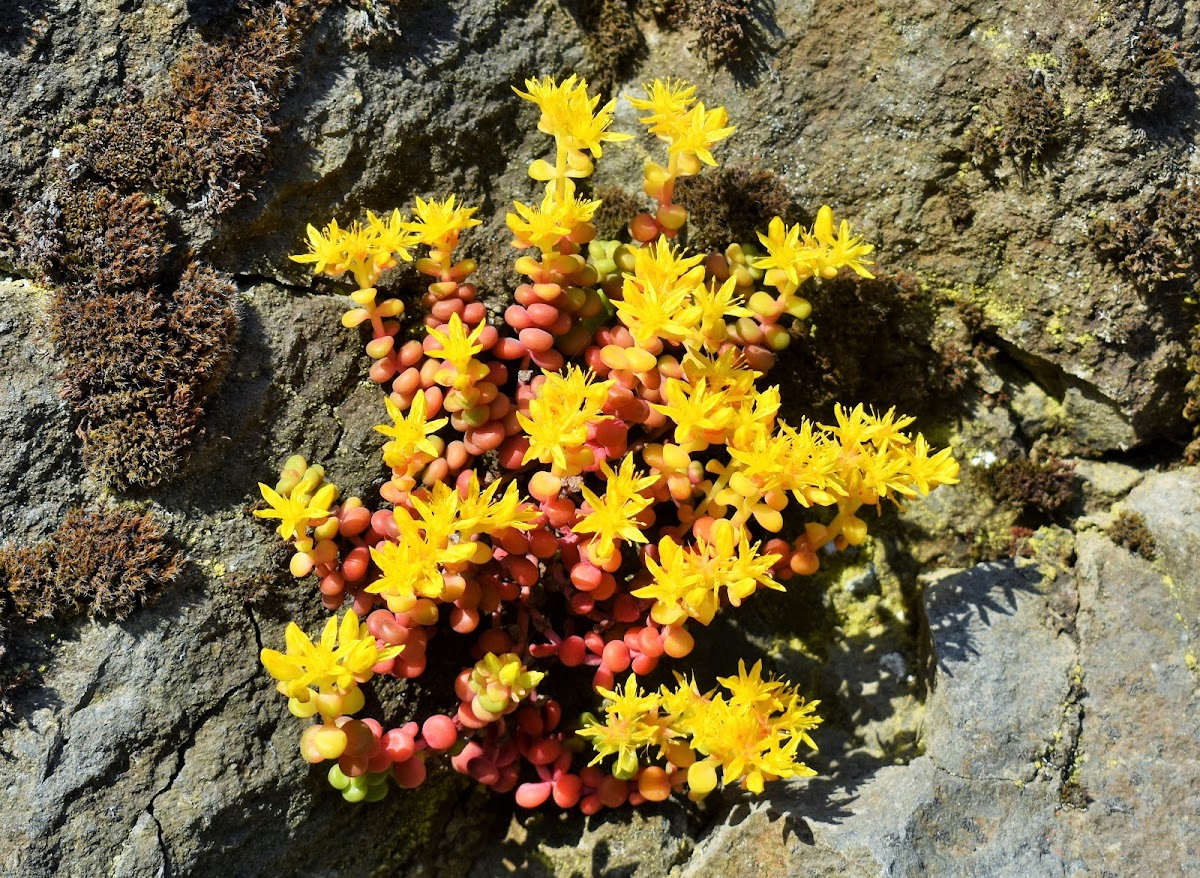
[
  {"x": 612, "y": 516},
  {"x": 293, "y": 515}
]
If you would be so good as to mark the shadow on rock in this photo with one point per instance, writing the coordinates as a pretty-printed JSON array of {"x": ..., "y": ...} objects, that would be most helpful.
[{"x": 973, "y": 599}]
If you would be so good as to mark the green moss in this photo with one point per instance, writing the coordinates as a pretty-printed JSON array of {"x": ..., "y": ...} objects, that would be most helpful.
[{"x": 870, "y": 615}]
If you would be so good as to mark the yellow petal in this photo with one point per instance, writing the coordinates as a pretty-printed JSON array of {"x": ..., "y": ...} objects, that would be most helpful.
[
  {"x": 297, "y": 641},
  {"x": 280, "y": 666},
  {"x": 329, "y": 634}
]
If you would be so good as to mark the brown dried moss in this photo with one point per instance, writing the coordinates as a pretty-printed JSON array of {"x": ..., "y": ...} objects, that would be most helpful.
[
  {"x": 1047, "y": 488},
  {"x": 725, "y": 29},
  {"x": 618, "y": 206},
  {"x": 14, "y": 677},
  {"x": 1145, "y": 80},
  {"x": 116, "y": 240},
  {"x": 874, "y": 341},
  {"x": 139, "y": 365},
  {"x": 206, "y": 135},
  {"x": 27, "y": 576},
  {"x": 612, "y": 40},
  {"x": 1191, "y": 408},
  {"x": 730, "y": 205},
  {"x": 107, "y": 562},
  {"x": 1033, "y": 125},
  {"x": 143, "y": 338},
  {"x": 1156, "y": 246},
  {"x": 1129, "y": 530}
]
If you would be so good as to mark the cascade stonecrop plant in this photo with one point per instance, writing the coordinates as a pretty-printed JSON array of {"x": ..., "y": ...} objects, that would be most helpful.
[{"x": 571, "y": 493}]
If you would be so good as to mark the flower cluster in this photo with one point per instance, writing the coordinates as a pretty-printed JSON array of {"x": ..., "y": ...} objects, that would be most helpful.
[
  {"x": 573, "y": 490},
  {"x": 751, "y": 732}
]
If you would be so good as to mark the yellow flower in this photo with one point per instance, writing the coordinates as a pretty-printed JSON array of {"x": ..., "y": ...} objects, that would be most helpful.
[
  {"x": 325, "y": 249},
  {"x": 342, "y": 657},
  {"x": 569, "y": 115},
  {"x": 500, "y": 683},
  {"x": 731, "y": 563},
  {"x": 751, "y": 690},
  {"x": 630, "y": 723},
  {"x": 688, "y": 583},
  {"x": 458, "y": 347},
  {"x": 438, "y": 223},
  {"x": 678, "y": 588},
  {"x": 541, "y": 226},
  {"x": 716, "y": 304},
  {"x": 574, "y": 211},
  {"x": 665, "y": 266},
  {"x": 652, "y": 312},
  {"x": 753, "y": 736},
  {"x": 700, "y": 130},
  {"x": 797, "y": 254},
  {"x": 928, "y": 472},
  {"x": 668, "y": 103},
  {"x": 364, "y": 252},
  {"x": 390, "y": 236},
  {"x": 612, "y": 516},
  {"x": 790, "y": 251},
  {"x": 410, "y": 435},
  {"x": 727, "y": 372},
  {"x": 293, "y": 514},
  {"x": 413, "y": 566},
  {"x": 479, "y": 511},
  {"x": 656, "y": 299},
  {"x": 559, "y": 416},
  {"x": 700, "y": 415},
  {"x": 843, "y": 249}
]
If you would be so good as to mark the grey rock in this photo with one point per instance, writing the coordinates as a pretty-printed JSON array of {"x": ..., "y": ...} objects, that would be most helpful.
[
  {"x": 1061, "y": 722},
  {"x": 1050, "y": 749},
  {"x": 1107, "y": 480},
  {"x": 1136, "y": 765},
  {"x": 39, "y": 465},
  {"x": 993, "y": 616},
  {"x": 1170, "y": 505}
]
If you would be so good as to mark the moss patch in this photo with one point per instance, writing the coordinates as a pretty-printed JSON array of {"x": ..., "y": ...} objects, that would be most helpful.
[
  {"x": 108, "y": 562},
  {"x": 139, "y": 365},
  {"x": 203, "y": 138},
  {"x": 731, "y": 205},
  {"x": 144, "y": 333},
  {"x": 612, "y": 40},
  {"x": 880, "y": 342},
  {"x": 1129, "y": 530}
]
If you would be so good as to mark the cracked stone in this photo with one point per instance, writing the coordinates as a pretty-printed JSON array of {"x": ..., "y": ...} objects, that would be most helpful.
[{"x": 1138, "y": 769}]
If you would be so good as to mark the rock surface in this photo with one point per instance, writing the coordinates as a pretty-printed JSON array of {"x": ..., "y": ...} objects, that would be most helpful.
[
  {"x": 1055, "y": 743},
  {"x": 1059, "y": 731}
]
